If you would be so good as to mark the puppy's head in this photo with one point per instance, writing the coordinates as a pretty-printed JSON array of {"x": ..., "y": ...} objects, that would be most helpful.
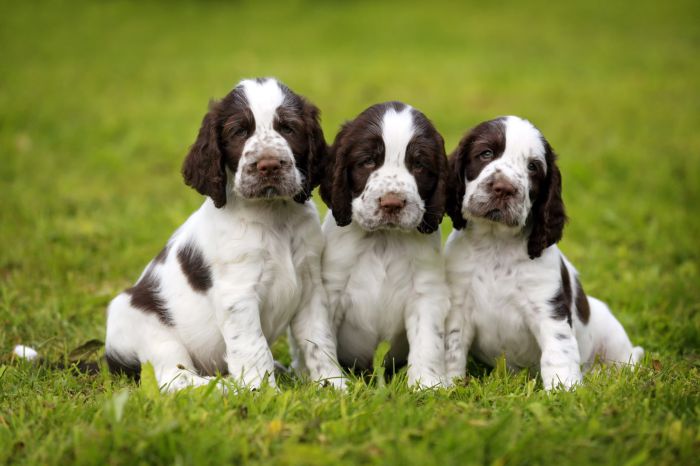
[
  {"x": 261, "y": 141},
  {"x": 388, "y": 170},
  {"x": 505, "y": 171}
]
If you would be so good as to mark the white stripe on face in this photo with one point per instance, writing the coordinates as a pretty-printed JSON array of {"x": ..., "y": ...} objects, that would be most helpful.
[
  {"x": 263, "y": 100},
  {"x": 397, "y": 131},
  {"x": 523, "y": 142}
]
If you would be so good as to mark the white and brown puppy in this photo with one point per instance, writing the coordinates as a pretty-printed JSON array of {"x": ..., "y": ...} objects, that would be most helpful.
[
  {"x": 245, "y": 265},
  {"x": 513, "y": 292},
  {"x": 382, "y": 265}
]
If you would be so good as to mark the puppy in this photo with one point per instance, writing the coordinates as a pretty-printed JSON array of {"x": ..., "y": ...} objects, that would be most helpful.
[
  {"x": 513, "y": 292},
  {"x": 245, "y": 265},
  {"x": 382, "y": 266}
]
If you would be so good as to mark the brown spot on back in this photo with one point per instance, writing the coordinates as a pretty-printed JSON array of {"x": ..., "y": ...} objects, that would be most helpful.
[
  {"x": 582, "y": 309},
  {"x": 561, "y": 302},
  {"x": 145, "y": 296},
  {"x": 195, "y": 268}
]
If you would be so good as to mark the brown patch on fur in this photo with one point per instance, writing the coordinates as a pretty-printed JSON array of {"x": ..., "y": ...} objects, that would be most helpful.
[
  {"x": 583, "y": 311},
  {"x": 561, "y": 302},
  {"x": 204, "y": 168},
  {"x": 427, "y": 161},
  {"x": 548, "y": 215},
  {"x": 145, "y": 296},
  {"x": 195, "y": 268}
]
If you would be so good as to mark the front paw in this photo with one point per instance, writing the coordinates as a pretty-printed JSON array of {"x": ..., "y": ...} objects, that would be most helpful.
[
  {"x": 454, "y": 377},
  {"x": 425, "y": 380},
  {"x": 252, "y": 380},
  {"x": 566, "y": 378}
]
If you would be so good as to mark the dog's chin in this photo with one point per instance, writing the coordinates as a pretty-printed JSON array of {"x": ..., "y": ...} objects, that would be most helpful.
[
  {"x": 385, "y": 227},
  {"x": 389, "y": 223},
  {"x": 388, "y": 226},
  {"x": 269, "y": 192},
  {"x": 371, "y": 218},
  {"x": 495, "y": 215}
]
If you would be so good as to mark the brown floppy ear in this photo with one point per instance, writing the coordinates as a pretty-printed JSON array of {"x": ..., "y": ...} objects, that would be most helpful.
[
  {"x": 203, "y": 168},
  {"x": 457, "y": 184},
  {"x": 326, "y": 169},
  {"x": 335, "y": 186},
  {"x": 548, "y": 215},
  {"x": 318, "y": 151},
  {"x": 435, "y": 205}
]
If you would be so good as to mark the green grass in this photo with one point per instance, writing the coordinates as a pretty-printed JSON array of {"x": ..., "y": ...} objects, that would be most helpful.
[{"x": 99, "y": 102}]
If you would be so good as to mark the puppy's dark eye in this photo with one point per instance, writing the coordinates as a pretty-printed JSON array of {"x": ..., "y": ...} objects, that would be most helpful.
[
  {"x": 368, "y": 163},
  {"x": 241, "y": 132},
  {"x": 285, "y": 129},
  {"x": 486, "y": 155},
  {"x": 421, "y": 167},
  {"x": 532, "y": 166}
]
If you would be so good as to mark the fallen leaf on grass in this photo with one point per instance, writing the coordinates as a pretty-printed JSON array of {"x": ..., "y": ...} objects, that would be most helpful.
[{"x": 84, "y": 351}]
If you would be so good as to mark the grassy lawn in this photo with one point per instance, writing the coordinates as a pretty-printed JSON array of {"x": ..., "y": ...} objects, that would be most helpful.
[{"x": 100, "y": 101}]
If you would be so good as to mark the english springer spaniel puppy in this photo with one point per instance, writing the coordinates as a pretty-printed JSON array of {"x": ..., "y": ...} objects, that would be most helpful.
[
  {"x": 382, "y": 265},
  {"x": 513, "y": 292},
  {"x": 244, "y": 266}
]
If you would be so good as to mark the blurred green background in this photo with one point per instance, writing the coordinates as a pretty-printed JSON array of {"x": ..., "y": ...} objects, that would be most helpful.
[{"x": 99, "y": 102}]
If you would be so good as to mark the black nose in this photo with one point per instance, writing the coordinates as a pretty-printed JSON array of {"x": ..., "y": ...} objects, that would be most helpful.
[
  {"x": 502, "y": 187},
  {"x": 268, "y": 166},
  {"x": 391, "y": 203}
]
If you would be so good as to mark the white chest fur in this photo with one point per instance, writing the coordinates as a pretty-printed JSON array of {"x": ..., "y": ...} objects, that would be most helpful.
[
  {"x": 371, "y": 307},
  {"x": 499, "y": 289},
  {"x": 257, "y": 253},
  {"x": 372, "y": 279}
]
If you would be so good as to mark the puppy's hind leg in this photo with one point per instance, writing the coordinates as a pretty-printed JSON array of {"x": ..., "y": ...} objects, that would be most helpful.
[
  {"x": 298, "y": 363},
  {"x": 612, "y": 344},
  {"x": 135, "y": 337}
]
